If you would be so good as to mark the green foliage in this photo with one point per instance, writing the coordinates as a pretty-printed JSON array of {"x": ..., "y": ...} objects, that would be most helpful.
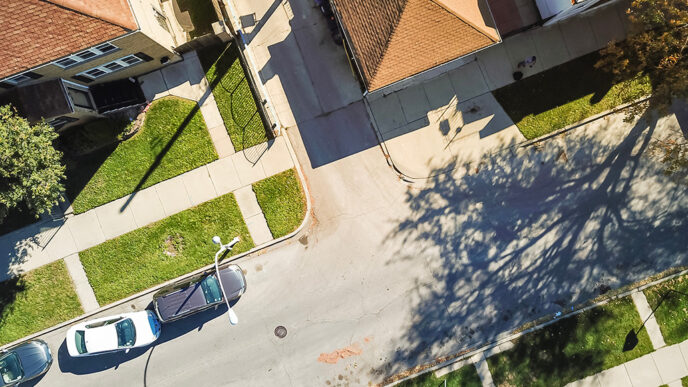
[
  {"x": 233, "y": 95},
  {"x": 656, "y": 47},
  {"x": 31, "y": 170},
  {"x": 282, "y": 201},
  {"x": 172, "y": 140},
  {"x": 572, "y": 348},
  {"x": 466, "y": 376},
  {"x": 565, "y": 95},
  {"x": 163, "y": 250},
  {"x": 38, "y": 300},
  {"x": 672, "y": 313}
]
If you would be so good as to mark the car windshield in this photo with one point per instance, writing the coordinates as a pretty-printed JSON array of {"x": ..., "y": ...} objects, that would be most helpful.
[
  {"x": 80, "y": 340},
  {"x": 10, "y": 369},
  {"x": 126, "y": 334},
  {"x": 211, "y": 289}
]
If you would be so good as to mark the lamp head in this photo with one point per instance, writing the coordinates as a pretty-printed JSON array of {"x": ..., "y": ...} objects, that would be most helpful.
[{"x": 217, "y": 240}]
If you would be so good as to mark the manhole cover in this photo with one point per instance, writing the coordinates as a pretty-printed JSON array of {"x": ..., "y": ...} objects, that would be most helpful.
[{"x": 280, "y": 332}]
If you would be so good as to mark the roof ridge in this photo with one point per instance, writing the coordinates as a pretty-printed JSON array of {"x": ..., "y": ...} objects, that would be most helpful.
[
  {"x": 441, "y": 4},
  {"x": 81, "y": 6},
  {"x": 389, "y": 39}
]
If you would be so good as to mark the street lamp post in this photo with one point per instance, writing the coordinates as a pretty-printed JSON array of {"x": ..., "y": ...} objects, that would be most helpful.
[{"x": 233, "y": 319}]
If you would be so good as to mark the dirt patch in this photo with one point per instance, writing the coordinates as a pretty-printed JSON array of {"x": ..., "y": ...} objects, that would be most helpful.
[
  {"x": 333, "y": 357},
  {"x": 173, "y": 245}
]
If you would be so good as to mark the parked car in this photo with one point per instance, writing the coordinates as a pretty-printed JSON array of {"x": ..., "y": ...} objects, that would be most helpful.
[
  {"x": 113, "y": 333},
  {"x": 24, "y": 362},
  {"x": 198, "y": 293}
]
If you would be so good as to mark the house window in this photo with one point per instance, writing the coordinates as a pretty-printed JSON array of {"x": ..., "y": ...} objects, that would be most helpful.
[
  {"x": 21, "y": 78},
  {"x": 85, "y": 55},
  {"x": 162, "y": 20},
  {"x": 111, "y": 67},
  {"x": 80, "y": 98}
]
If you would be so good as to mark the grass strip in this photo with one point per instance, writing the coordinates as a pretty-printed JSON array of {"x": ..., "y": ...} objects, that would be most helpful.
[
  {"x": 37, "y": 300},
  {"x": 466, "y": 376},
  {"x": 233, "y": 95},
  {"x": 172, "y": 140},
  {"x": 163, "y": 250},
  {"x": 283, "y": 202},
  {"x": 572, "y": 348},
  {"x": 672, "y": 313},
  {"x": 566, "y": 94}
]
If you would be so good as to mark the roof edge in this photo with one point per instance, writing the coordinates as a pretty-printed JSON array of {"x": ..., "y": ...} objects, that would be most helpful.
[{"x": 82, "y": 7}]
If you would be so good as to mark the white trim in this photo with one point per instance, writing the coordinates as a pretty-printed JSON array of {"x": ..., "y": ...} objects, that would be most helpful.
[
  {"x": 91, "y": 53},
  {"x": 111, "y": 67}
]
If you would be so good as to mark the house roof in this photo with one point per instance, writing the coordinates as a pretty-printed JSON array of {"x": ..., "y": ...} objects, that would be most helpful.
[
  {"x": 394, "y": 39},
  {"x": 33, "y": 32}
]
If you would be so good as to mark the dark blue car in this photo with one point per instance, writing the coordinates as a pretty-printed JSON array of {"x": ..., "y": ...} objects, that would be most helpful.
[{"x": 24, "y": 362}]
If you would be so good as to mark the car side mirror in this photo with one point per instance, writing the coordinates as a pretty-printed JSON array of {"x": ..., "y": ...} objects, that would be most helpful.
[{"x": 127, "y": 350}]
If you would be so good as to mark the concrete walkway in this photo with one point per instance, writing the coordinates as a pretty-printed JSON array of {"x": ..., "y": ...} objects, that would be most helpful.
[
  {"x": 648, "y": 317},
  {"x": 186, "y": 79},
  {"x": 448, "y": 116},
  {"x": 37, "y": 245},
  {"x": 664, "y": 366}
]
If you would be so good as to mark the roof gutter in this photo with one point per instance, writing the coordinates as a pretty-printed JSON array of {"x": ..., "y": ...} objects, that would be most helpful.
[{"x": 347, "y": 39}]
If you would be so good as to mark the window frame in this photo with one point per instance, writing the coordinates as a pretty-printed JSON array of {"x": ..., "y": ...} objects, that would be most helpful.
[
  {"x": 103, "y": 68},
  {"x": 96, "y": 51}
]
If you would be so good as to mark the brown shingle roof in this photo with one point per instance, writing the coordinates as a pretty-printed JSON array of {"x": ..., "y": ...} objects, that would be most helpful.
[
  {"x": 394, "y": 39},
  {"x": 33, "y": 32}
]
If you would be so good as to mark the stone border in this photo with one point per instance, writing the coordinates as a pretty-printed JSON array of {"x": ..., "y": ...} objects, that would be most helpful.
[
  {"x": 508, "y": 336},
  {"x": 234, "y": 258}
]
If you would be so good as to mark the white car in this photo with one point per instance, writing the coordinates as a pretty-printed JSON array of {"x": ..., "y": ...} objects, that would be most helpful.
[{"x": 113, "y": 333}]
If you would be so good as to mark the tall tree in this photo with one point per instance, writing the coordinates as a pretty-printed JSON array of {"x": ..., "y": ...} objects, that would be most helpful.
[
  {"x": 31, "y": 170},
  {"x": 657, "y": 47}
]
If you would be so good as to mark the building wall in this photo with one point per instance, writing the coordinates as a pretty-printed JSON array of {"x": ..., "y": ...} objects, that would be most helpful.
[{"x": 145, "y": 14}]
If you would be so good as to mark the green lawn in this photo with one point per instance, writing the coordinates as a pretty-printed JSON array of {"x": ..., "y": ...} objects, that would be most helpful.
[
  {"x": 282, "y": 200},
  {"x": 233, "y": 95},
  {"x": 572, "y": 348},
  {"x": 564, "y": 95},
  {"x": 672, "y": 314},
  {"x": 684, "y": 381},
  {"x": 173, "y": 140},
  {"x": 164, "y": 250},
  {"x": 465, "y": 376},
  {"x": 38, "y": 300},
  {"x": 202, "y": 14}
]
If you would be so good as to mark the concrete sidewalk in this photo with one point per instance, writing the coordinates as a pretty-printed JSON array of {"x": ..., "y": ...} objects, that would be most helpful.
[
  {"x": 37, "y": 245},
  {"x": 453, "y": 117},
  {"x": 664, "y": 366}
]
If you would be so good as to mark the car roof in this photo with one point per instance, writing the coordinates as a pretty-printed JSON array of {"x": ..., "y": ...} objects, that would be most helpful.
[
  {"x": 101, "y": 338},
  {"x": 181, "y": 301}
]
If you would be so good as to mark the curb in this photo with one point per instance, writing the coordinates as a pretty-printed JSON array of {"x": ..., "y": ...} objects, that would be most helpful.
[
  {"x": 508, "y": 336},
  {"x": 234, "y": 258},
  {"x": 523, "y": 144}
]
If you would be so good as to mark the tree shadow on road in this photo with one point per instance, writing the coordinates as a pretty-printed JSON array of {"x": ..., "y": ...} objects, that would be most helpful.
[{"x": 534, "y": 231}]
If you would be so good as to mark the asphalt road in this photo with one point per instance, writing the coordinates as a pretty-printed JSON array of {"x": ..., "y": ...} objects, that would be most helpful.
[{"x": 388, "y": 276}]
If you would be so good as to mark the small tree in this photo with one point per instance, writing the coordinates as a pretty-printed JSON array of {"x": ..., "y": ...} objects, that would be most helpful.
[{"x": 31, "y": 170}]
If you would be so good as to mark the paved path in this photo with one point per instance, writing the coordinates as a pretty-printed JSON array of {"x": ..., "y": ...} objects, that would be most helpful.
[
  {"x": 647, "y": 315},
  {"x": 664, "y": 366},
  {"x": 186, "y": 79},
  {"x": 37, "y": 245},
  {"x": 451, "y": 117}
]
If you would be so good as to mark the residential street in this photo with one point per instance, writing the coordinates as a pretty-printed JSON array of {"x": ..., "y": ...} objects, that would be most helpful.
[{"x": 388, "y": 276}]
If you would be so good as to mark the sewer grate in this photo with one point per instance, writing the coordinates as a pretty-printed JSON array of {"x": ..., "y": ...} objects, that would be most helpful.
[{"x": 280, "y": 332}]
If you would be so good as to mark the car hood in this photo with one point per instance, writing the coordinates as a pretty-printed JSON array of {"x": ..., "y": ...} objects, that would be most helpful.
[
  {"x": 34, "y": 358},
  {"x": 232, "y": 282}
]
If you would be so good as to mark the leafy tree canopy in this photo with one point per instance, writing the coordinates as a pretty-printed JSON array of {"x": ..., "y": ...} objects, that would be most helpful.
[
  {"x": 657, "y": 47},
  {"x": 31, "y": 170}
]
